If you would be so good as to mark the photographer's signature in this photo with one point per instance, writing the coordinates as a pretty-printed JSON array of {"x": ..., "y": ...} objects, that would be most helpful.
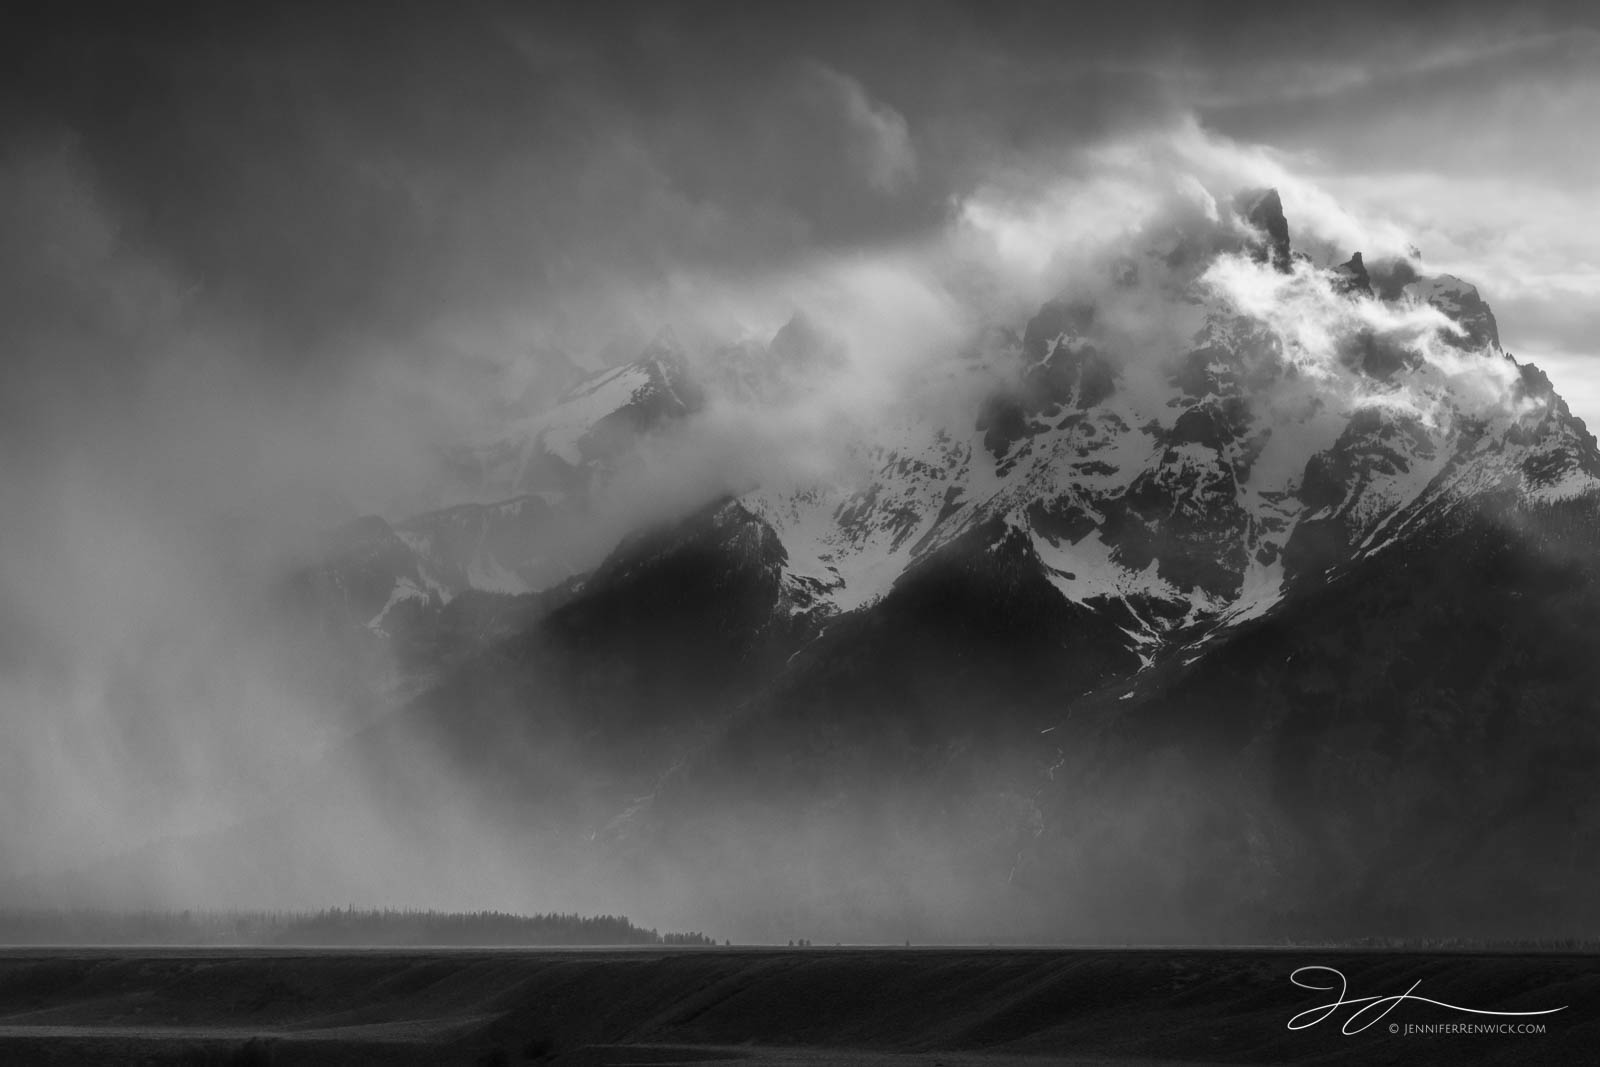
[{"x": 1370, "y": 1009}]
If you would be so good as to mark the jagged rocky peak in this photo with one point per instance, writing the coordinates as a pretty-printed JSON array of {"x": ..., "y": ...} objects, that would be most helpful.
[
  {"x": 1351, "y": 276},
  {"x": 1533, "y": 393},
  {"x": 1393, "y": 278},
  {"x": 1263, "y": 210},
  {"x": 723, "y": 545},
  {"x": 803, "y": 342},
  {"x": 363, "y": 570},
  {"x": 1461, "y": 304},
  {"x": 1390, "y": 275},
  {"x": 1198, "y": 503},
  {"x": 672, "y": 385},
  {"x": 1562, "y": 456},
  {"x": 724, "y": 526},
  {"x": 1166, "y": 488}
]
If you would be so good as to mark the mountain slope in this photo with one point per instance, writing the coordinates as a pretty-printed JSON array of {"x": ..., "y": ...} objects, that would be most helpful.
[{"x": 1404, "y": 747}]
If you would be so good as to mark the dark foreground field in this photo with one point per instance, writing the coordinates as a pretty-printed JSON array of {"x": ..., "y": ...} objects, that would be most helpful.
[{"x": 957, "y": 1007}]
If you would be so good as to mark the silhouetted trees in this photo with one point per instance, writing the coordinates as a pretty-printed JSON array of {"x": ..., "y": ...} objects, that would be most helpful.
[
  {"x": 333, "y": 927},
  {"x": 687, "y": 939}
]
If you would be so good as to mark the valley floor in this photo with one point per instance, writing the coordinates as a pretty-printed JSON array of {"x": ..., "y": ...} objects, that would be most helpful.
[{"x": 870, "y": 1007}]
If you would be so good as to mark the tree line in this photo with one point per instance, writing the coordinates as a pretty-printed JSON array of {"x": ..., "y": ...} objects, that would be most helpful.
[{"x": 330, "y": 927}]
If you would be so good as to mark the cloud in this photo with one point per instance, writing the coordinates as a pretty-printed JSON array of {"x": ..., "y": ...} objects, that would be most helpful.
[
  {"x": 883, "y": 147},
  {"x": 1527, "y": 245},
  {"x": 1314, "y": 325}
]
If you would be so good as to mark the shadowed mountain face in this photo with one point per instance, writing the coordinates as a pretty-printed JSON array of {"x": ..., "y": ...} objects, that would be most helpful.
[
  {"x": 606, "y": 689},
  {"x": 1238, "y": 637},
  {"x": 1401, "y": 746}
]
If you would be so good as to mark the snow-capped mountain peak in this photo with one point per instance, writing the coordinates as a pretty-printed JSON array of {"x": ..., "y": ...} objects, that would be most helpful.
[{"x": 1311, "y": 415}]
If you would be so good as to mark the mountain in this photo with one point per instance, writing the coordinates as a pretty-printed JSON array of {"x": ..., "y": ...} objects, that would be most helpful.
[
  {"x": 577, "y": 442},
  {"x": 1190, "y": 503},
  {"x": 381, "y": 589},
  {"x": 793, "y": 362},
  {"x": 1234, "y": 595}
]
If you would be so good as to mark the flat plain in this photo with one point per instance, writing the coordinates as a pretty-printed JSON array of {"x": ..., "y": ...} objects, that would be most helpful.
[{"x": 911, "y": 1007}]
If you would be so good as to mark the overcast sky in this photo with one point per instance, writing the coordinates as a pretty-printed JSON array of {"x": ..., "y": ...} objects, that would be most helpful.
[{"x": 278, "y": 210}]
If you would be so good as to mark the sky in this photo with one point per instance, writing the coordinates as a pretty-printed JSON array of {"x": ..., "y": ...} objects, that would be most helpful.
[
  {"x": 340, "y": 201},
  {"x": 259, "y": 263}
]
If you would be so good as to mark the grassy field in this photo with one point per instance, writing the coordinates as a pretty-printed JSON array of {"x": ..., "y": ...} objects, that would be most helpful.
[{"x": 864, "y": 1006}]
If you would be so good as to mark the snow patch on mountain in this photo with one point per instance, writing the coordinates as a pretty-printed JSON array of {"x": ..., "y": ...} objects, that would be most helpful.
[
  {"x": 1570, "y": 484},
  {"x": 404, "y": 589},
  {"x": 562, "y": 429}
]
